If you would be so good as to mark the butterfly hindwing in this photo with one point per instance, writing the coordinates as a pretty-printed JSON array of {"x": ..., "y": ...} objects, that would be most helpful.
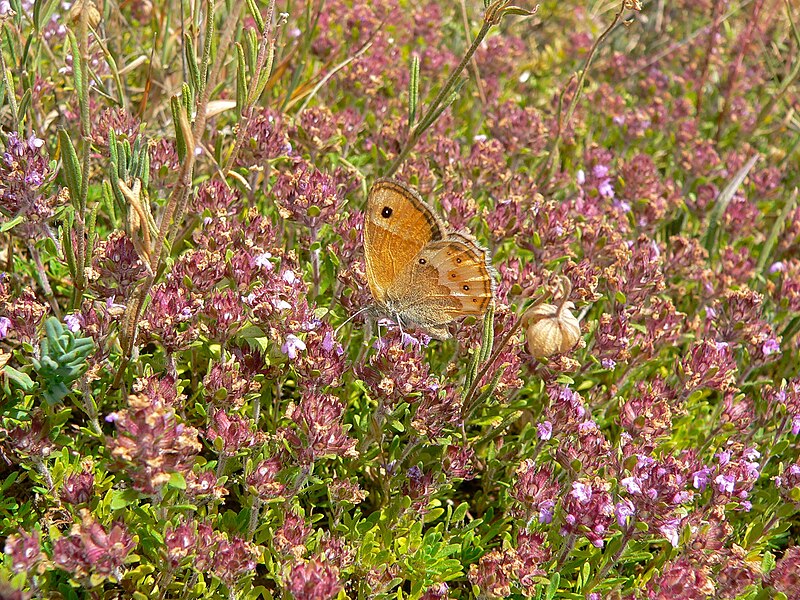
[{"x": 463, "y": 274}]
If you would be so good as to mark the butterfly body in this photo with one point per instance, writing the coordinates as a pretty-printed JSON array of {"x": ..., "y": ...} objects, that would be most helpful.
[{"x": 418, "y": 271}]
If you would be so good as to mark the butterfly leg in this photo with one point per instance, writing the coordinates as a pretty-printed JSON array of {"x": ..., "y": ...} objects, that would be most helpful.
[{"x": 400, "y": 325}]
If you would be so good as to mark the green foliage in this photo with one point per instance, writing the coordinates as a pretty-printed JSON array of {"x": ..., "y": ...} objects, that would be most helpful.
[
  {"x": 61, "y": 361},
  {"x": 187, "y": 182}
]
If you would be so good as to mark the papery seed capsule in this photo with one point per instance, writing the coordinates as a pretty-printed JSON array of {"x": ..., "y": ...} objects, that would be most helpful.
[
  {"x": 90, "y": 7},
  {"x": 551, "y": 329}
]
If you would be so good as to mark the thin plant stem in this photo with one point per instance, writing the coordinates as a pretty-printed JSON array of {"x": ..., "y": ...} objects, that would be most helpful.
[
  {"x": 44, "y": 281},
  {"x": 176, "y": 205},
  {"x": 564, "y": 123},
  {"x": 266, "y": 54},
  {"x": 626, "y": 537},
  {"x": 428, "y": 118}
]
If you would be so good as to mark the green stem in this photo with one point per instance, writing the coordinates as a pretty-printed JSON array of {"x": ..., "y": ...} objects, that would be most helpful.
[
  {"x": 266, "y": 54},
  {"x": 428, "y": 118},
  {"x": 563, "y": 124}
]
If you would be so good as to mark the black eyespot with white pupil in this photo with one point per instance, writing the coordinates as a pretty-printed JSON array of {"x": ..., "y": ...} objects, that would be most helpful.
[
  {"x": 458, "y": 260},
  {"x": 422, "y": 261},
  {"x": 386, "y": 212},
  {"x": 466, "y": 287}
]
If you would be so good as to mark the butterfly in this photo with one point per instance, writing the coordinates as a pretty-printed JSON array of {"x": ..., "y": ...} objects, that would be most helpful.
[{"x": 418, "y": 272}]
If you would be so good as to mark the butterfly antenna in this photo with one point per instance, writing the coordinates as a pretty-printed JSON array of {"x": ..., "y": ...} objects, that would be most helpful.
[{"x": 350, "y": 318}]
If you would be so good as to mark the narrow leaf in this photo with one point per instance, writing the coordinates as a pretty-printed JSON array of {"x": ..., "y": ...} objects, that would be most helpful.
[
  {"x": 724, "y": 198},
  {"x": 777, "y": 227},
  {"x": 413, "y": 91},
  {"x": 72, "y": 168}
]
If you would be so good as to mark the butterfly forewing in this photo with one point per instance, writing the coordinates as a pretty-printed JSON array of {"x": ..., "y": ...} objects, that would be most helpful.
[{"x": 397, "y": 226}]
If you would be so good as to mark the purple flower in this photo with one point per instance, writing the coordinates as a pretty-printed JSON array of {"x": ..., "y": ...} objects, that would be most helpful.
[
  {"x": 777, "y": 267},
  {"x": 24, "y": 171},
  {"x": 536, "y": 491},
  {"x": 73, "y": 322},
  {"x": 544, "y": 430},
  {"x": 263, "y": 261},
  {"x": 701, "y": 478},
  {"x": 605, "y": 189},
  {"x": 5, "y": 326},
  {"x": 632, "y": 485},
  {"x": 771, "y": 346},
  {"x": 796, "y": 424},
  {"x": 624, "y": 510},
  {"x": 725, "y": 483},
  {"x": 546, "y": 511},
  {"x": 581, "y": 492},
  {"x": 292, "y": 345},
  {"x": 670, "y": 530}
]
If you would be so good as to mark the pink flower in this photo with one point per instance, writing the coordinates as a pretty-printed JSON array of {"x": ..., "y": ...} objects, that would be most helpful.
[
  {"x": 78, "y": 488},
  {"x": 313, "y": 580},
  {"x": 24, "y": 550},
  {"x": 92, "y": 549}
]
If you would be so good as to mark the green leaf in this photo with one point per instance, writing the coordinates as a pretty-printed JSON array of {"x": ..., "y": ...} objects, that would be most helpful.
[
  {"x": 9, "y": 225},
  {"x": 256, "y": 14},
  {"x": 20, "y": 379},
  {"x": 777, "y": 227},
  {"x": 72, "y": 168},
  {"x": 555, "y": 580},
  {"x": 241, "y": 78},
  {"x": 459, "y": 513},
  {"x": 191, "y": 62},
  {"x": 177, "y": 481},
  {"x": 413, "y": 91},
  {"x": 122, "y": 498},
  {"x": 724, "y": 198}
]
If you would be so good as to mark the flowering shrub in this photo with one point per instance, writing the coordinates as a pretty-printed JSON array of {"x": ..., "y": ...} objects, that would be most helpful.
[{"x": 194, "y": 404}]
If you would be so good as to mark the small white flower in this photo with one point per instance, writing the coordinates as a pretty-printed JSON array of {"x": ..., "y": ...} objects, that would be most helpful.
[
  {"x": 292, "y": 346},
  {"x": 262, "y": 260}
]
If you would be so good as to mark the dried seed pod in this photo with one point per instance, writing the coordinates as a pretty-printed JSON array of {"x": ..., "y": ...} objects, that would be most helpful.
[
  {"x": 90, "y": 7},
  {"x": 550, "y": 329}
]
